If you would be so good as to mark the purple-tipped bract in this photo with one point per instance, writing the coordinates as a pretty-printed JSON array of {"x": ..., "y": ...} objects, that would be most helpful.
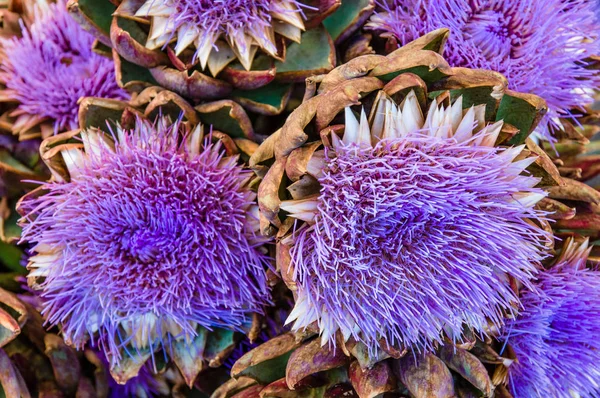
[
  {"x": 541, "y": 46},
  {"x": 52, "y": 66},
  {"x": 146, "y": 240}
]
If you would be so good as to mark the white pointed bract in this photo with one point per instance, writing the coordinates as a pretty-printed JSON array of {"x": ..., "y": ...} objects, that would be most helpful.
[{"x": 244, "y": 26}]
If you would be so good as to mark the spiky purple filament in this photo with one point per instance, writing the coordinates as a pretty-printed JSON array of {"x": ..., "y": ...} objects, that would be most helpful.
[
  {"x": 416, "y": 237},
  {"x": 149, "y": 228},
  {"x": 540, "y": 46},
  {"x": 555, "y": 336},
  {"x": 233, "y": 18},
  {"x": 492, "y": 32},
  {"x": 224, "y": 14},
  {"x": 52, "y": 66}
]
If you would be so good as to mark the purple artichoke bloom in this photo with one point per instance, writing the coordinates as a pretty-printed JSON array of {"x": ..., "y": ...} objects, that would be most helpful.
[
  {"x": 418, "y": 225},
  {"x": 540, "y": 46},
  {"x": 245, "y": 26},
  {"x": 152, "y": 235},
  {"x": 51, "y": 67},
  {"x": 555, "y": 337}
]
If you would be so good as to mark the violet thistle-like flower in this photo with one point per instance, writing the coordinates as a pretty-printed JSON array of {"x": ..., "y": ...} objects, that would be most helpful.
[
  {"x": 51, "y": 67},
  {"x": 540, "y": 46},
  {"x": 228, "y": 28},
  {"x": 419, "y": 222},
  {"x": 149, "y": 238},
  {"x": 554, "y": 338}
]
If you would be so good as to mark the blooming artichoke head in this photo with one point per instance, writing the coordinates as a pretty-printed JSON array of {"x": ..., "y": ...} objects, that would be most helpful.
[
  {"x": 553, "y": 338},
  {"x": 543, "y": 48},
  {"x": 145, "y": 238},
  {"x": 250, "y": 51},
  {"x": 405, "y": 223},
  {"x": 47, "y": 68}
]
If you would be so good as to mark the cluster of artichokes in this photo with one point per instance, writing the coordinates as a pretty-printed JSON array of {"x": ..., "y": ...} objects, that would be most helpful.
[{"x": 275, "y": 198}]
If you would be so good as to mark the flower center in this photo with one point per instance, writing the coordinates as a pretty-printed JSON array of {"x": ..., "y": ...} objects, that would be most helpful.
[
  {"x": 492, "y": 32},
  {"x": 143, "y": 245},
  {"x": 224, "y": 14}
]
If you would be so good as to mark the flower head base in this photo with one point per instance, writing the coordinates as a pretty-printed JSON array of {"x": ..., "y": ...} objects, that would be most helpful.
[
  {"x": 152, "y": 235},
  {"x": 246, "y": 26},
  {"x": 417, "y": 226},
  {"x": 555, "y": 338},
  {"x": 145, "y": 384},
  {"x": 51, "y": 67},
  {"x": 540, "y": 46}
]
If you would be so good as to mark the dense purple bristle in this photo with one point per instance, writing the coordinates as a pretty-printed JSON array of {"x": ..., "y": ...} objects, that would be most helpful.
[
  {"x": 52, "y": 66},
  {"x": 149, "y": 228},
  {"x": 540, "y": 46},
  {"x": 228, "y": 17},
  {"x": 223, "y": 14},
  {"x": 416, "y": 237},
  {"x": 555, "y": 336}
]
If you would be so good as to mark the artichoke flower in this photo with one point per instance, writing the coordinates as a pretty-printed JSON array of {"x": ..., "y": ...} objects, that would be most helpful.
[
  {"x": 553, "y": 342},
  {"x": 179, "y": 265},
  {"x": 47, "y": 67},
  {"x": 546, "y": 48},
  {"x": 249, "y": 51},
  {"x": 413, "y": 221},
  {"x": 537, "y": 354}
]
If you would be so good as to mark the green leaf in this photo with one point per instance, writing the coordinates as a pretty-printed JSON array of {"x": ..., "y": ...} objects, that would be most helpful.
[
  {"x": 131, "y": 72},
  {"x": 95, "y": 112},
  {"x": 12, "y": 231},
  {"x": 226, "y": 116},
  {"x": 133, "y": 29},
  {"x": 267, "y": 362},
  {"x": 7, "y": 159},
  {"x": 477, "y": 96},
  {"x": 268, "y": 371},
  {"x": 8, "y": 282},
  {"x": 522, "y": 111},
  {"x": 219, "y": 344},
  {"x": 428, "y": 76},
  {"x": 99, "y": 11},
  {"x": 270, "y": 99},
  {"x": 10, "y": 257},
  {"x": 314, "y": 55},
  {"x": 344, "y": 17}
]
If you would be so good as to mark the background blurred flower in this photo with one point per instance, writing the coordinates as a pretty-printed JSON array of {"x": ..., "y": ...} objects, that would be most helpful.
[
  {"x": 540, "y": 46},
  {"x": 554, "y": 337},
  {"x": 150, "y": 236},
  {"x": 50, "y": 68}
]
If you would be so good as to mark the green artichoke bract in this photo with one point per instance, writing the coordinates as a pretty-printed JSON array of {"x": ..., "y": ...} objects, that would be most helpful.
[
  {"x": 297, "y": 365},
  {"x": 249, "y": 51},
  {"x": 574, "y": 203}
]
